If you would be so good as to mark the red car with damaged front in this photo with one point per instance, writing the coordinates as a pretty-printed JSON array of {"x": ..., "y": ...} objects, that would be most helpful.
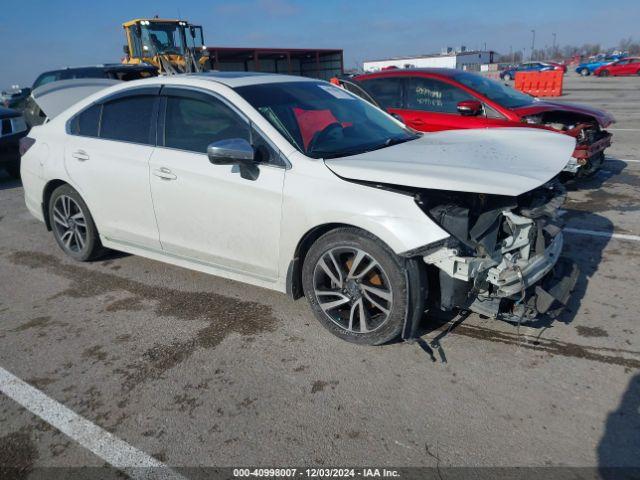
[{"x": 430, "y": 100}]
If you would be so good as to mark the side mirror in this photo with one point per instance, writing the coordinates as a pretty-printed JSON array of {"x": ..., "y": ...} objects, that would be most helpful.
[
  {"x": 469, "y": 108},
  {"x": 398, "y": 117},
  {"x": 125, "y": 49},
  {"x": 235, "y": 151}
]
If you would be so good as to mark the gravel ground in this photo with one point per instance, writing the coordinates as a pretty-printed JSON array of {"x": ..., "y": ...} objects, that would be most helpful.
[{"x": 200, "y": 371}]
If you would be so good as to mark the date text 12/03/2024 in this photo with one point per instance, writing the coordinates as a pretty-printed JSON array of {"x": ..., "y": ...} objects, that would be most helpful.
[{"x": 316, "y": 472}]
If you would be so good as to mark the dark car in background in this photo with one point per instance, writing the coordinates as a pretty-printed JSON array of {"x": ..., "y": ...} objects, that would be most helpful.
[
  {"x": 435, "y": 99},
  {"x": 114, "y": 71},
  {"x": 12, "y": 128},
  {"x": 510, "y": 73},
  {"x": 14, "y": 98}
]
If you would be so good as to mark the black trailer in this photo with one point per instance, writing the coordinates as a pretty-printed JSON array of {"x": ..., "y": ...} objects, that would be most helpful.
[{"x": 316, "y": 63}]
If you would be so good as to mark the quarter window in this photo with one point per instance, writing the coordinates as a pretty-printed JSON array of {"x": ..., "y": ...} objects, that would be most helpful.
[
  {"x": 129, "y": 119},
  {"x": 86, "y": 122},
  {"x": 192, "y": 124},
  {"x": 432, "y": 95}
]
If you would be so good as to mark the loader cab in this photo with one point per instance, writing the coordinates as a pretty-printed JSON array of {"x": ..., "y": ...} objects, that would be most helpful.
[{"x": 167, "y": 44}]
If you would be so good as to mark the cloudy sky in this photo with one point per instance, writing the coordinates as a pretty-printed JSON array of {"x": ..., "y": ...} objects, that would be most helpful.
[{"x": 37, "y": 35}]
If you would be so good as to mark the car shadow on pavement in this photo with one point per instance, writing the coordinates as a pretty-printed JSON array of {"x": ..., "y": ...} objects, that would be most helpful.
[
  {"x": 619, "y": 447},
  {"x": 610, "y": 168},
  {"x": 587, "y": 253}
]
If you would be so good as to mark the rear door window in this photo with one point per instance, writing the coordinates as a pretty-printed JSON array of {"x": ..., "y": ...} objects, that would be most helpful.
[
  {"x": 386, "y": 91},
  {"x": 430, "y": 95},
  {"x": 130, "y": 119}
]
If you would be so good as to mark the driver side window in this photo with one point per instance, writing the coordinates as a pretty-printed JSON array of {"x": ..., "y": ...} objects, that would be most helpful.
[{"x": 192, "y": 124}]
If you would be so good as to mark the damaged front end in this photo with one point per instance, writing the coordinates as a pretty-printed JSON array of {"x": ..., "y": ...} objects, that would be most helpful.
[
  {"x": 591, "y": 138},
  {"x": 503, "y": 259}
]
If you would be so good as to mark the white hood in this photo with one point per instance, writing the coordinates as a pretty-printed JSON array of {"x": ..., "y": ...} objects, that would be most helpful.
[{"x": 500, "y": 161}]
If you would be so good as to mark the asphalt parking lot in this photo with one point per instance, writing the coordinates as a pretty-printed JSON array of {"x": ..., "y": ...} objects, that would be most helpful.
[{"x": 194, "y": 370}]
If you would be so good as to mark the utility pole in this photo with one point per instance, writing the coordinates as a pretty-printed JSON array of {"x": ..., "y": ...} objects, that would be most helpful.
[
  {"x": 533, "y": 43},
  {"x": 511, "y": 54},
  {"x": 554, "y": 45}
]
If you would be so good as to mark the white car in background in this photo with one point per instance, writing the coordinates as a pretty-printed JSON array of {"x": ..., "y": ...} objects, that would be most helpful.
[{"x": 299, "y": 186}]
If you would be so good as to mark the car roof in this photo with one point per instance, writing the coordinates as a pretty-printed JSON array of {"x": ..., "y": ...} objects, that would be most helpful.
[
  {"x": 443, "y": 72},
  {"x": 241, "y": 79},
  {"x": 8, "y": 113},
  {"x": 106, "y": 67}
]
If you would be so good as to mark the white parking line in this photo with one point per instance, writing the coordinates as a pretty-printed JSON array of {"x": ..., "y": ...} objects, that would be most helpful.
[
  {"x": 624, "y": 129},
  {"x": 596, "y": 233},
  {"x": 111, "y": 449}
]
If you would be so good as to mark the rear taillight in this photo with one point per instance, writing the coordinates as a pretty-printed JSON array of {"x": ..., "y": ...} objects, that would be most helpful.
[{"x": 25, "y": 144}]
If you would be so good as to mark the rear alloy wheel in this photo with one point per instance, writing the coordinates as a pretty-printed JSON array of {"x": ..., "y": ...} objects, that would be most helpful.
[
  {"x": 72, "y": 225},
  {"x": 507, "y": 77},
  {"x": 356, "y": 286},
  {"x": 585, "y": 72}
]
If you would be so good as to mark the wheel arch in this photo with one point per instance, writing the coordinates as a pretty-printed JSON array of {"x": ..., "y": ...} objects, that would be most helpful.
[
  {"x": 46, "y": 197},
  {"x": 294, "y": 270}
]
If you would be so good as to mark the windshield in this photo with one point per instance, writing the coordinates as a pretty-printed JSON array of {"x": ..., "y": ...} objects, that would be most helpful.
[
  {"x": 163, "y": 38},
  {"x": 324, "y": 121},
  {"x": 494, "y": 90}
]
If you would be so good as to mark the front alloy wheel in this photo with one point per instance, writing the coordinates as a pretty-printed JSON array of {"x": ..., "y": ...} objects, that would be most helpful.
[
  {"x": 352, "y": 289},
  {"x": 356, "y": 286}
]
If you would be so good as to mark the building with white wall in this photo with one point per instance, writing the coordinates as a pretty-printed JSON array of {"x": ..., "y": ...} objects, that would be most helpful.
[{"x": 462, "y": 59}]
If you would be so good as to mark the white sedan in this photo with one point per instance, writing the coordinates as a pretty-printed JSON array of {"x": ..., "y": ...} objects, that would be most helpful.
[{"x": 299, "y": 186}]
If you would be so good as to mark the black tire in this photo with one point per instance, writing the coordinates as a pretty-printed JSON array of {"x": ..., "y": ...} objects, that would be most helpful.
[
  {"x": 585, "y": 72},
  {"x": 592, "y": 167},
  {"x": 393, "y": 273},
  {"x": 13, "y": 169},
  {"x": 604, "y": 73},
  {"x": 506, "y": 77},
  {"x": 90, "y": 248}
]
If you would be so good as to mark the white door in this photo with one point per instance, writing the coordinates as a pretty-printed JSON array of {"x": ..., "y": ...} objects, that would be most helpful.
[
  {"x": 111, "y": 166},
  {"x": 208, "y": 212}
]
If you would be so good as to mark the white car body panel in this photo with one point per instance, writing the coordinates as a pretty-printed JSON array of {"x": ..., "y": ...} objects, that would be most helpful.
[
  {"x": 120, "y": 202},
  {"x": 252, "y": 233},
  {"x": 211, "y": 214},
  {"x": 501, "y": 161}
]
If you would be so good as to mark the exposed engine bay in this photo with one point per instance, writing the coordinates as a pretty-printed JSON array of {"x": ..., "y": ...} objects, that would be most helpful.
[
  {"x": 502, "y": 253},
  {"x": 591, "y": 139}
]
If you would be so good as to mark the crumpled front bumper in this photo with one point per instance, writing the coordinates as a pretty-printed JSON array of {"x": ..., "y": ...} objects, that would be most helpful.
[
  {"x": 584, "y": 152},
  {"x": 548, "y": 297},
  {"x": 513, "y": 280}
]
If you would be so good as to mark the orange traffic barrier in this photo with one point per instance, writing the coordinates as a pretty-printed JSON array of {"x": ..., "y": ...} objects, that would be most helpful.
[{"x": 540, "y": 84}]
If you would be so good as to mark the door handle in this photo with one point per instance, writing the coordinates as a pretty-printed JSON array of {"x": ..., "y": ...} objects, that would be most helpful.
[
  {"x": 80, "y": 155},
  {"x": 164, "y": 173},
  {"x": 417, "y": 121}
]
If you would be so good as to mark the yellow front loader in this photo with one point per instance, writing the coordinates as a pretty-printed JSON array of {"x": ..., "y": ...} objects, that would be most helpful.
[{"x": 173, "y": 46}]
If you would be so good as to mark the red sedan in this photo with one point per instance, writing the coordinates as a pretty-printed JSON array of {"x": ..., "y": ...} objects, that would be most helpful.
[
  {"x": 624, "y": 66},
  {"x": 430, "y": 100}
]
